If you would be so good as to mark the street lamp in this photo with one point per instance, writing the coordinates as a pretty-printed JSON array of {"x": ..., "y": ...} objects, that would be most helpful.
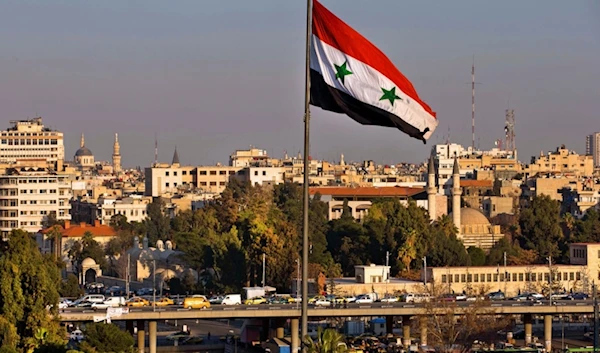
[
  {"x": 425, "y": 271},
  {"x": 153, "y": 285},
  {"x": 234, "y": 342},
  {"x": 297, "y": 283}
]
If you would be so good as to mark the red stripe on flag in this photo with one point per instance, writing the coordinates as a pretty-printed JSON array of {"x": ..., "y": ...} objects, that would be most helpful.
[{"x": 335, "y": 32}]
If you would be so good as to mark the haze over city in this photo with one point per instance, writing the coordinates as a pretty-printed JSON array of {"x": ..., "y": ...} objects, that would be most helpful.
[{"x": 213, "y": 76}]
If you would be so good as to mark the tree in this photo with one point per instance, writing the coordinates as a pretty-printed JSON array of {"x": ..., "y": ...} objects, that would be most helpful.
[
  {"x": 101, "y": 337},
  {"x": 157, "y": 224},
  {"x": 328, "y": 341},
  {"x": 55, "y": 235},
  {"x": 27, "y": 289},
  {"x": 540, "y": 227},
  {"x": 407, "y": 252},
  {"x": 476, "y": 255},
  {"x": 70, "y": 287}
]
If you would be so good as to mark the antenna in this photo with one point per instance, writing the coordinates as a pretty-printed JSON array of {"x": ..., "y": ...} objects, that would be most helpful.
[
  {"x": 473, "y": 83},
  {"x": 448, "y": 136},
  {"x": 155, "y": 149},
  {"x": 509, "y": 131}
]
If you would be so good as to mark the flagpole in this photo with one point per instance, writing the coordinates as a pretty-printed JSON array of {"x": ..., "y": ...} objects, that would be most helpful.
[{"x": 305, "y": 246}]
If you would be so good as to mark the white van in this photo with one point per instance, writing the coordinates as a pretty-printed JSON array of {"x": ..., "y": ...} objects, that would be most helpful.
[
  {"x": 112, "y": 302},
  {"x": 90, "y": 298},
  {"x": 232, "y": 299},
  {"x": 417, "y": 297},
  {"x": 366, "y": 298}
]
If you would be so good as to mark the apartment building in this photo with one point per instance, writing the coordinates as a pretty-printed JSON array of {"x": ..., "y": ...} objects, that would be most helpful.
[
  {"x": 214, "y": 179},
  {"x": 29, "y": 195},
  {"x": 592, "y": 147},
  {"x": 134, "y": 208},
  {"x": 562, "y": 161},
  {"x": 29, "y": 140}
]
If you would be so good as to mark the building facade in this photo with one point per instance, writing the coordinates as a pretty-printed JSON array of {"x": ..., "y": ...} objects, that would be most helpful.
[
  {"x": 29, "y": 195},
  {"x": 29, "y": 140}
]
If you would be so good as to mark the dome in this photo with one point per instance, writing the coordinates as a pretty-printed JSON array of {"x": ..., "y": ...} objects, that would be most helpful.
[
  {"x": 88, "y": 262},
  {"x": 471, "y": 216},
  {"x": 83, "y": 151}
]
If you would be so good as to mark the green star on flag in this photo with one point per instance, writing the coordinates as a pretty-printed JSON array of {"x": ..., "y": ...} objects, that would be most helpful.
[
  {"x": 342, "y": 71},
  {"x": 389, "y": 95}
]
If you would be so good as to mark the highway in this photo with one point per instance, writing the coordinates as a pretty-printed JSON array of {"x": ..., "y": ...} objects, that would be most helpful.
[{"x": 507, "y": 307}]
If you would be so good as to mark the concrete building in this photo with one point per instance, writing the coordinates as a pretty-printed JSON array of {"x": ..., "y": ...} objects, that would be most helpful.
[
  {"x": 561, "y": 161},
  {"x": 247, "y": 158},
  {"x": 576, "y": 276},
  {"x": 214, "y": 179},
  {"x": 265, "y": 175},
  {"x": 29, "y": 140},
  {"x": 133, "y": 207},
  {"x": 72, "y": 233},
  {"x": 592, "y": 147},
  {"x": 29, "y": 195},
  {"x": 495, "y": 205}
]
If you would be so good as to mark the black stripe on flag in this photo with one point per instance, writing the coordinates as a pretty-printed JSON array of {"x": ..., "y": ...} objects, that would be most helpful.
[{"x": 328, "y": 98}]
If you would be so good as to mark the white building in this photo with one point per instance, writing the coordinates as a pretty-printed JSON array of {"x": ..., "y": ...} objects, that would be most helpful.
[
  {"x": 133, "y": 207},
  {"x": 29, "y": 195},
  {"x": 29, "y": 140},
  {"x": 246, "y": 158},
  {"x": 265, "y": 175}
]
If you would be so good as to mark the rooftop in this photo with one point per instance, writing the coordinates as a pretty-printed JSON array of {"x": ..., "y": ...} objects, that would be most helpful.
[{"x": 387, "y": 191}]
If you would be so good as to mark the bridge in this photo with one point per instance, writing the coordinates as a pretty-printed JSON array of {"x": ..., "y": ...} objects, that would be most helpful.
[{"x": 278, "y": 314}]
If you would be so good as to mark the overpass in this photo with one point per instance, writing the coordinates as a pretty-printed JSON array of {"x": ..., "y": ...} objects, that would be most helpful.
[{"x": 280, "y": 313}]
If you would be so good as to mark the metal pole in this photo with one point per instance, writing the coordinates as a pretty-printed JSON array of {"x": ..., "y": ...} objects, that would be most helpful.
[
  {"x": 550, "y": 280},
  {"x": 595, "y": 295},
  {"x": 505, "y": 274},
  {"x": 425, "y": 270},
  {"x": 304, "y": 330},
  {"x": 297, "y": 283},
  {"x": 387, "y": 265},
  {"x": 127, "y": 275},
  {"x": 153, "y": 285},
  {"x": 263, "y": 274}
]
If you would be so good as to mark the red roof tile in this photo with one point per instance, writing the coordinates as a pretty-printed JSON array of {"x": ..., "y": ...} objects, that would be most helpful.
[
  {"x": 476, "y": 183},
  {"x": 97, "y": 230}
]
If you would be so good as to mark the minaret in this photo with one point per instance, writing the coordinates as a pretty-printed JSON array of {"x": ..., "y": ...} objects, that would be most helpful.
[
  {"x": 175, "y": 162},
  {"x": 82, "y": 142},
  {"x": 342, "y": 161},
  {"x": 431, "y": 189},
  {"x": 116, "y": 157},
  {"x": 456, "y": 192}
]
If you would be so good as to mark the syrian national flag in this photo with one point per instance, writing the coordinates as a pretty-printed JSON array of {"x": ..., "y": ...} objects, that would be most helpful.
[{"x": 350, "y": 75}]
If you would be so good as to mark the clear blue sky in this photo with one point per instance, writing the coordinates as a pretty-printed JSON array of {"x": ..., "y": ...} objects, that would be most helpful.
[{"x": 212, "y": 76}]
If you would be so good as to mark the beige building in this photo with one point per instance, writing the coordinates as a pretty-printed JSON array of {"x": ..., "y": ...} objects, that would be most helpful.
[
  {"x": 495, "y": 205},
  {"x": 29, "y": 195},
  {"x": 562, "y": 161},
  {"x": 84, "y": 158},
  {"x": 29, "y": 140},
  {"x": 576, "y": 276}
]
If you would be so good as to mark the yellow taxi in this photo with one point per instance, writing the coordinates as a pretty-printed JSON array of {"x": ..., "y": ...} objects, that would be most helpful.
[
  {"x": 255, "y": 301},
  {"x": 196, "y": 302},
  {"x": 137, "y": 302},
  {"x": 164, "y": 302}
]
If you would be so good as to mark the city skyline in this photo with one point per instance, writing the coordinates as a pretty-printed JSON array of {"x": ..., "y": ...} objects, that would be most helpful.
[{"x": 211, "y": 78}]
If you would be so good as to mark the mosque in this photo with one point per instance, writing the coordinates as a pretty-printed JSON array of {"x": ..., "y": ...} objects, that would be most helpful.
[
  {"x": 84, "y": 158},
  {"x": 474, "y": 229}
]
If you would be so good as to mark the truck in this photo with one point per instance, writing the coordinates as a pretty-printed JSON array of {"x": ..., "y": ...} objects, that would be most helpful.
[{"x": 253, "y": 292}]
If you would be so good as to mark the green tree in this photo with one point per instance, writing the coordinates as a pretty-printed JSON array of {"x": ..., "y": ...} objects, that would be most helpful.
[
  {"x": 158, "y": 224},
  {"x": 27, "y": 289},
  {"x": 70, "y": 287},
  {"x": 540, "y": 228},
  {"x": 348, "y": 241},
  {"x": 101, "y": 337},
  {"x": 476, "y": 255},
  {"x": 328, "y": 341}
]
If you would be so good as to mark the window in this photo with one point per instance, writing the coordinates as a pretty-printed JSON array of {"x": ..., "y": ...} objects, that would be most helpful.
[
  {"x": 256, "y": 172},
  {"x": 213, "y": 183},
  {"x": 213, "y": 172},
  {"x": 202, "y": 172},
  {"x": 174, "y": 184},
  {"x": 463, "y": 278},
  {"x": 167, "y": 173},
  {"x": 264, "y": 172},
  {"x": 456, "y": 278},
  {"x": 184, "y": 172},
  {"x": 175, "y": 173},
  {"x": 222, "y": 183},
  {"x": 476, "y": 277},
  {"x": 222, "y": 172},
  {"x": 231, "y": 172},
  {"x": 571, "y": 276},
  {"x": 489, "y": 277},
  {"x": 202, "y": 183},
  {"x": 443, "y": 278},
  {"x": 520, "y": 277},
  {"x": 167, "y": 184}
]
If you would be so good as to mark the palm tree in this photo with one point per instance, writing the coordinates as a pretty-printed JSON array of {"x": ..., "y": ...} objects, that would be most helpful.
[
  {"x": 328, "y": 341},
  {"x": 408, "y": 252}
]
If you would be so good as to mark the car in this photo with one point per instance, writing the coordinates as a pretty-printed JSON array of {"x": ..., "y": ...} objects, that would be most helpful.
[
  {"x": 216, "y": 299},
  {"x": 536, "y": 296},
  {"x": 499, "y": 295},
  {"x": 178, "y": 336},
  {"x": 84, "y": 304},
  {"x": 319, "y": 300},
  {"x": 295, "y": 298},
  {"x": 389, "y": 299},
  {"x": 448, "y": 297},
  {"x": 277, "y": 300},
  {"x": 460, "y": 297},
  {"x": 164, "y": 302},
  {"x": 64, "y": 303},
  {"x": 336, "y": 299},
  {"x": 255, "y": 301},
  {"x": 350, "y": 298},
  {"x": 193, "y": 340},
  {"x": 578, "y": 296},
  {"x": 196, "y": 302},
  {"x": 521, "y": 297},
  {"x": 76, "y": 336},
  {"x": 137, "y": 302},
  {"x": 559, "y": 296},
  {"x": 365, "y": 299}
]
